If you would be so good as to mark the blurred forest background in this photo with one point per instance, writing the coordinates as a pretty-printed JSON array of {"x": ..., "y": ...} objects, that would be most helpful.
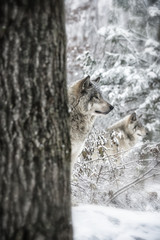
[{"x": 120, "y": 42}]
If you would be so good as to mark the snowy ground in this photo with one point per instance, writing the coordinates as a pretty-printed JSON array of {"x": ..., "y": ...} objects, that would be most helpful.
[{"x": 92, "y": 222}]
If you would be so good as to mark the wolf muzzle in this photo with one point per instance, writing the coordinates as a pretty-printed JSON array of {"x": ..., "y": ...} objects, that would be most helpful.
[{"x": 111, "y": 107}]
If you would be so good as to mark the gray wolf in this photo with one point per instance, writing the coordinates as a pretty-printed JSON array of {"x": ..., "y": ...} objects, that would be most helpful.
[
  {"x": 125, "y": 133},
  {"x": 85, "y": 104},
  {"x": 119, "y": 138}
]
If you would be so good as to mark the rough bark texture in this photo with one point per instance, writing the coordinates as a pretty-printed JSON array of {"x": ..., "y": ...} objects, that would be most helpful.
[{"x": 34, "y": 132}]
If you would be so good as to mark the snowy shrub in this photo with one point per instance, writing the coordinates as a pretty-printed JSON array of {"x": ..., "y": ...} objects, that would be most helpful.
[{"x": 125, "y": 183}]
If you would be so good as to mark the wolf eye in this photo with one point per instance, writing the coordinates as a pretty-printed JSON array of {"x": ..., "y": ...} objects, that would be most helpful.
[{"x": 96, "y": 97}]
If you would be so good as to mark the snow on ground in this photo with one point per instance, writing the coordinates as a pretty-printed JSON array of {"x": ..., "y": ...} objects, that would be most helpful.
[{"x": 91, "y": 222}]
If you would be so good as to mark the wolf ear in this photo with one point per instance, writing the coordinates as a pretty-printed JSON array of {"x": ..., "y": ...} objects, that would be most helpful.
[
  {"x": 97, "y": 80},
  {"x": 132, "y": 117},
  {"x": 81, "y": 86},
  {"x": 85, "y": 84}
]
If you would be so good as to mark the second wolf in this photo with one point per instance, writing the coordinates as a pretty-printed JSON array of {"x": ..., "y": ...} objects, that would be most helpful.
[
  {"x": 118, "y": 139},
  {"x": 85, "y": 104},
  {"x": 125, "y": 134}
]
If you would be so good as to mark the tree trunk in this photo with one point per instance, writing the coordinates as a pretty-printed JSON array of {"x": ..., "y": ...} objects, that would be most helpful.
[{"x": 34, "y": 129}]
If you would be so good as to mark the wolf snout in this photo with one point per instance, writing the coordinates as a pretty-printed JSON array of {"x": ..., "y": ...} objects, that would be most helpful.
[{"x": 111, "y": 107}]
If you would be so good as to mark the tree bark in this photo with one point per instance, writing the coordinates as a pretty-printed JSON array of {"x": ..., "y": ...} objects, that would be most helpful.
[{"x": 34, "y": 129}]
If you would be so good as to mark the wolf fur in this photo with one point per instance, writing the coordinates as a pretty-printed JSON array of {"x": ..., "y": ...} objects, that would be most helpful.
[
  {"x": 85, "y": 104},
  {"x": 120, "y": 138}
]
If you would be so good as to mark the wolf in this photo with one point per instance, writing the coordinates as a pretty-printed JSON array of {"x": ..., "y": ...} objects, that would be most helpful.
[
  {"x": 119, "y": 138},
  {"x": 85, "y": 104},
  {"x": 126, "y": 133}
]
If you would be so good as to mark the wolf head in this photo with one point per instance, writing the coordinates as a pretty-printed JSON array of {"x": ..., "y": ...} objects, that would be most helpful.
[
  {"x": 87, "y": 98},
  {"x": 135, "y": 127}
]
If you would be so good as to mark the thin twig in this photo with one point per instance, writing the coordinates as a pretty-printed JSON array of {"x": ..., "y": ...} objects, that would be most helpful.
[{"x": 140, "y": 179}]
